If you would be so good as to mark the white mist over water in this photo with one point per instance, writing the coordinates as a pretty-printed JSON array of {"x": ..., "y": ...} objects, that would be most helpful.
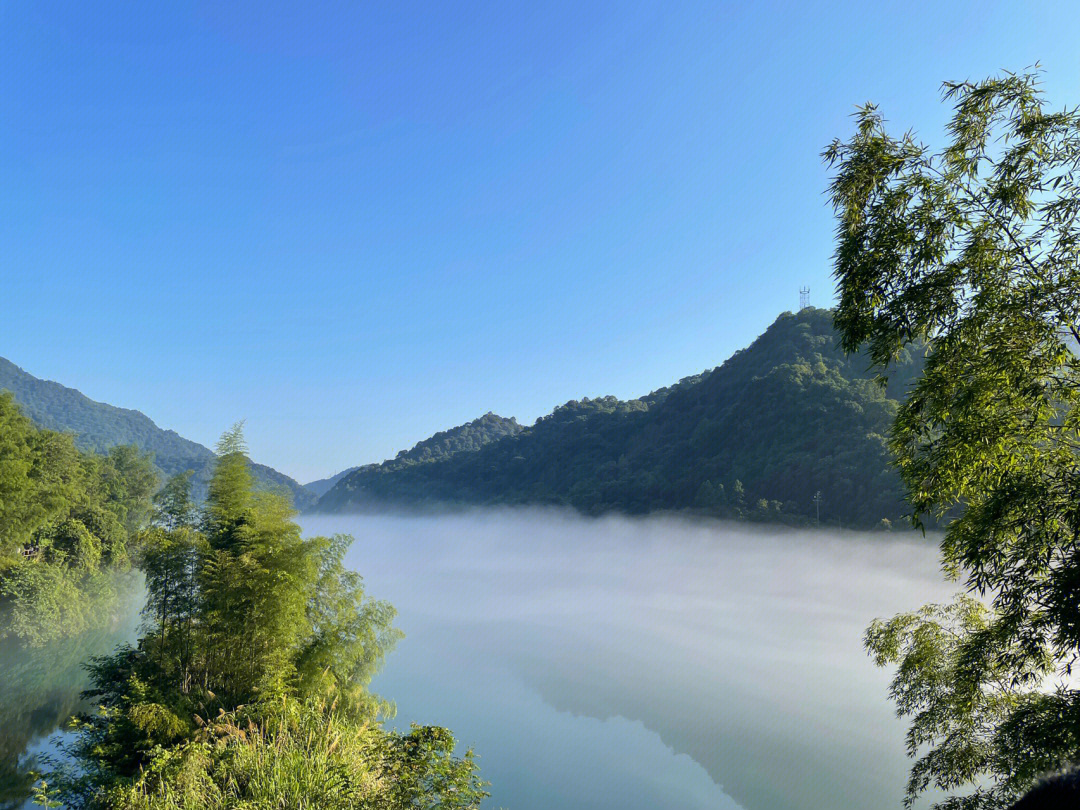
[{"x": 647, "y": 662}]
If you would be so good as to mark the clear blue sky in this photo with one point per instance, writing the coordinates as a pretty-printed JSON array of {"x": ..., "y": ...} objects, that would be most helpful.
[{"x": 354, "y": 224}]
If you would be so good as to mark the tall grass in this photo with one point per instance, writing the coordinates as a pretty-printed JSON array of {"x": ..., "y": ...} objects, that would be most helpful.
[{"x": 302, "y": 755}]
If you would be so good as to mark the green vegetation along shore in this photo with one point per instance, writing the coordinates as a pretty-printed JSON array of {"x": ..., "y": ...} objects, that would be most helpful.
[
  {"x": 68, "y": 529},
  {"x": 248, "y": 686}
]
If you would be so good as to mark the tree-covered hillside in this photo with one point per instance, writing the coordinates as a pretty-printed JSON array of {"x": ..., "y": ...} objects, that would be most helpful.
[
  {"x": 469, "y": 437},
  {"x": 758, "y": 438},
  {"x": 464, "y": 438},
  {"x": 98, "y": 427},
  {"x": 323, "y": 485},
  {"x": 69, "y": 524}
]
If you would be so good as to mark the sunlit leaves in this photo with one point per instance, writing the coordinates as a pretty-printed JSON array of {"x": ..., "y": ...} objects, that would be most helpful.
[
  {"x": 68, "y": 528},
  {"x": 975, "y": 249},
  {"x": 248, "y": 687}
]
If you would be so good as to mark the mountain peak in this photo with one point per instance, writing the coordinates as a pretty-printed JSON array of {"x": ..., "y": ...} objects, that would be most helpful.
[{"x": 787, "y": 417}]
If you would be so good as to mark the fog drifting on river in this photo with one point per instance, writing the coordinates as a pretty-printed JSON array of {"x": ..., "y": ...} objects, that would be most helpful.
[{"x": 647, "y": 662}]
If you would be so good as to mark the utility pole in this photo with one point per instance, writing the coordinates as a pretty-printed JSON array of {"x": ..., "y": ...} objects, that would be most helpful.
[{"x": 817, "y": 505}]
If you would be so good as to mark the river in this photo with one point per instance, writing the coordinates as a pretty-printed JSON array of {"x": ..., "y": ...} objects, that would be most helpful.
[{"x": 608, "y": 664}]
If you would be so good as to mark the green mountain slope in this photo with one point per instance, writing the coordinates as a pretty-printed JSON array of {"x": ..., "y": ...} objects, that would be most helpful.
[
  {"x": 467, "y": 438},
  {"x": 758, "y": 437},
  {"x": 98, "y": 426},
  {"x": 324, "y": 485},
  {"x": 464, "y": 438}
]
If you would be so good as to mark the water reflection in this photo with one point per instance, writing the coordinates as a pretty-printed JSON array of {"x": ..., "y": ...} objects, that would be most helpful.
[
  {"x": 603, "y": 664},
  {"x": 648, "y": 663},
  {"x": 39, "y": 692}
]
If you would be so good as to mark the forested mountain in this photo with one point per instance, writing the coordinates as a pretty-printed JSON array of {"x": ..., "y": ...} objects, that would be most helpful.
[
  {"x": 98, "y": 426},
  {"x": 757, "y": 438},
  {"x": 324, "y": 485},
  {"x": 464, "y": 438}
]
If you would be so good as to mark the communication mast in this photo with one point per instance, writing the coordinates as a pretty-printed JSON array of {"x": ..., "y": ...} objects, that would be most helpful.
[{"x": 804, "y": 297}]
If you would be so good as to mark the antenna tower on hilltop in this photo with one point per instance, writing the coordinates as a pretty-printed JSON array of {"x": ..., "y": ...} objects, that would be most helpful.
[{"x": 804, "y": 297}]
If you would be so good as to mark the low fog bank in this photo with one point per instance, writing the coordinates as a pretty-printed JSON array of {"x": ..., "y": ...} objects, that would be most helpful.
[
  {"x": 41, "y": 688},
  {"x": 648, "y": 662}
]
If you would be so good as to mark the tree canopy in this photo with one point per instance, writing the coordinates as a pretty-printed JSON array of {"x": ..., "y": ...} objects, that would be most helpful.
[
  {"x": 69, "y": 525},
  {"x": 973, "y": 251},
  {"x": 249, "y": 683}
]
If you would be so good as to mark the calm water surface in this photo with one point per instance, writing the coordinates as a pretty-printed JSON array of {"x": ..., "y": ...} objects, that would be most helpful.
[
  {"x": 612, "y": 664},
  {"x": 618, "y": 664},
  {"x": 39, "y": 691}
]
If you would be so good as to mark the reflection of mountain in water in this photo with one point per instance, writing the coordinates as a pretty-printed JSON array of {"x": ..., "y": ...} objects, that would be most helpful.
[
  {"x": 39, "y": 691},
  {"x": 642, "y": 659}
]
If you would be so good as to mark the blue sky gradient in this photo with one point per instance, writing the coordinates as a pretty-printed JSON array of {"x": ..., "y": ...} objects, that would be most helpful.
[{"x": 354, "y": 224}]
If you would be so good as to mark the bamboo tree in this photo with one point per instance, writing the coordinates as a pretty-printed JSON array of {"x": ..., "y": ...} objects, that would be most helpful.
[
  {"x": 253, "y": 634},
  {"x": 975, "y": 249}
]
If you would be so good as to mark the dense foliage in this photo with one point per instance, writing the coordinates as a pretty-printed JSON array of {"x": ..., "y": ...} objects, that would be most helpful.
[
  {"x": 98, "y": 427},
  {"x": 68, "y": 528},
  {"x": 975, "y": 250},
  {"x": 248, "y": 687},
  {"x": 788, "y": 418},
  {"x": 464, "y": 438},
  {"x": 292, "y": 754}
]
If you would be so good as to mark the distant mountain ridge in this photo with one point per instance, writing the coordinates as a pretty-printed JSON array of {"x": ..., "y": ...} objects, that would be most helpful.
[
  {"x": 98, "y": 426},
  {"x": 466, "y": 438},
  {"x": 759, "y": 437},
  {"x": 324, "y": 485}
]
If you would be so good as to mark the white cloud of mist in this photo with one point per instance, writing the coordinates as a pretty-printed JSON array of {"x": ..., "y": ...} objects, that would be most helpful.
[{"x": 648, "y": 662}]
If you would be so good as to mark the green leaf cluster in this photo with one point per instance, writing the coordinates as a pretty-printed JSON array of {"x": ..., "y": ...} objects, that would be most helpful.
[
  {"x": 249, "y": 684},
  {"x": 69, "y": 525},
  {"x": 973, "y": 251},
  {"x": 303, "y": 754}
]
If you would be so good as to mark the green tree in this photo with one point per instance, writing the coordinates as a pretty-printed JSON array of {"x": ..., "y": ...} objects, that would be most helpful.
[
  {"x": 709, "y": 498},
  {"x": 255, "y": 584},
  {"x": 347, "y": 634},
  {"x": 975, "y": 249},
  {"x": 128, "y": 482},
  {"x": 230, "y": 489},
  {"x": 171, "y": 561},
  {"x": 40, "y": 476},
  {"x": 248, "y": 687},
  {"x": 173, "y": 506},
  {"x": 69, "y": 524}
]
